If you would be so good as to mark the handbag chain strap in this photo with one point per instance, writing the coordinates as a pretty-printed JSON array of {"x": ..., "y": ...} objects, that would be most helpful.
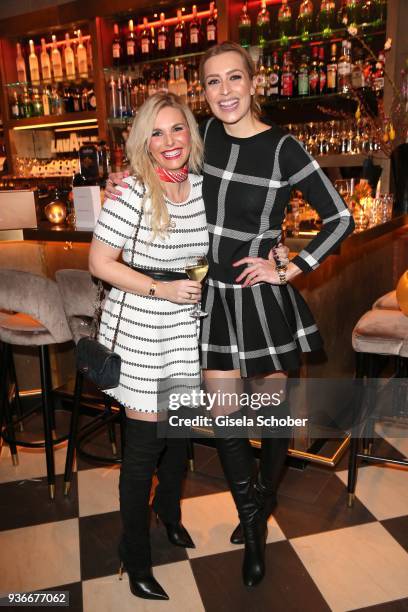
[{"x": 100, "y": 294}]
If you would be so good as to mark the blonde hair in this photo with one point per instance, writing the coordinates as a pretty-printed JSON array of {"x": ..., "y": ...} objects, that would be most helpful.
[
  {"x": 141, "y": 162},
  {"x": 226, "y": 47}
]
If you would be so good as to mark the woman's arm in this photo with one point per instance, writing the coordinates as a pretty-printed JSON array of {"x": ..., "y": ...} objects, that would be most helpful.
[{"x": 302, "y": 171}]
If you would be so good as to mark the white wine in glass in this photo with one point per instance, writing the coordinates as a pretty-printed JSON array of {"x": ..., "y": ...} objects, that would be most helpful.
[{"x": 196, "y": 269}]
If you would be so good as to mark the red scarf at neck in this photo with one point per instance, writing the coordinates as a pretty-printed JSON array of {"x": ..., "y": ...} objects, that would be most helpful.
[{"x": 172, "y": 176}]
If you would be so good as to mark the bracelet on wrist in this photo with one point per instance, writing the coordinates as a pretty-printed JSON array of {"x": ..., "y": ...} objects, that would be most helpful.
[
  {"x": 282, "y": 275},
  {"x": 152, "y": 290}
]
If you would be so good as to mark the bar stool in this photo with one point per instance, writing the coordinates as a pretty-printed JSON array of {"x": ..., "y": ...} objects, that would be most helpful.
[
  {"x": 79, "y": 295},
  {"x": 380, "y": 333},
  {"x": 32, "y": 314}
]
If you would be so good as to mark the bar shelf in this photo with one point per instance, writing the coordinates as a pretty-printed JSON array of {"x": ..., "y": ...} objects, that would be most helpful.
[
  {"x": 131, "y": 70},
  {"x": 54, "y": 120}
]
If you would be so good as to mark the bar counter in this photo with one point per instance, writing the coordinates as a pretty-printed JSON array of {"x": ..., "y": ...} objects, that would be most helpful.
[{"x": 367, "y": 265}]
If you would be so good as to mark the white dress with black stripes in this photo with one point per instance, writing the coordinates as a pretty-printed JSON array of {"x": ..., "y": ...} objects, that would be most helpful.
[{"x": 157, "y": 339}]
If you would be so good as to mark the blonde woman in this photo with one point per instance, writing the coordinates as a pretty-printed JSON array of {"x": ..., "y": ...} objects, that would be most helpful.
[{"x": 157, "y": 337}]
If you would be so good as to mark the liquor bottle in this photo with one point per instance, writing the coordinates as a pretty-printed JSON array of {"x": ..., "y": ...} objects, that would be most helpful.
[
  {"x": 211, "y": 27},
  {"x": 284, "y": 20},
  {"x": 182, "y": 85},
  {"x": 14, "y": 106},
  {"x": 274, "y": 78},
  {"x": 344, "y": 68},
  {"x": 179, "y": 41},
  {"x": 69, "y": 59},
  {"x": 131, "y": 45},
  {"x": 56, "y": 60},
  {"x": 67, "y": 101},
  {"x": 162, "y": 84},
  {"x": 314, "y": 73},
  {"x": 21, "y": 67},
  {"x": 380, "y": 11},
  {"x": 152, "y": 85},
  {"x": 368, "y": 72},
  {"x": 28, "y": 108},
  {"x": 357, "y": 72},
  {"x": 191, "y": 91},
  {"x": 82, "y": 58},
  {"x": 117, "y": 48},
  {"x": 263, "y": 26},
  {"x": 46, "y": 101},
  {"x": 37, "y": 106},
  {"x": 332, "y": 70},
  {"x": 33, "y": 64},
  {"x": 113, "y": 98},
  {"x": 260, "y": 83},
  {"x": 76, "y": 100},
  {"x": 326, "y": 18},
  {"x": 141, "y": 91},
  {"x": 56, "y": 102},
  {"x": 304, "y": 22},
  {"x": 145, "y": 41},
  {"x": 195, "y": 32},
  {"x": 244, "y": 27},
  {"x": 91, "y": 102},
  {"x": 303, "y": 77},
  {"x": 342, "y": 14},
  {"x": 353, "y": 12},
  {"x": 172, "y": 84},
  {"x": 378, "y": 76},
  {"x": 45, "y": 63},
  {"x": 368, "y": 11},
  {"x": 288, "y": 76},
  {"x": 121, "y": 111},
  {"x": 163, "y": 43},
  {"x": 322, "y": 72}
]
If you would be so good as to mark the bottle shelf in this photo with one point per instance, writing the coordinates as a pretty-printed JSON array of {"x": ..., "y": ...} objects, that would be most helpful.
[
  {"x": 54, "y": 120},
  {"x": 129, "y": 70},
  {"x": 311, "y": 108},
  {"x": 79, "y": 81},
  {"x": 347, "y": 160},
  {"x": 336, "y": 35}
]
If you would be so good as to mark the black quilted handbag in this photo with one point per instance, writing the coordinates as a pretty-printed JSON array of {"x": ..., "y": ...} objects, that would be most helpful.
[{"x": 93, "y": 359}]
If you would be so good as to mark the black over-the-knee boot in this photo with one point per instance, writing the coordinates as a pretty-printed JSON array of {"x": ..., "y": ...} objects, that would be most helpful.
[
  {"x": 141, "y": 453},
  {"x": 237, "y": 460},
  {"x": 274, "y": 448},
  {"x": 166, "y": 503}
]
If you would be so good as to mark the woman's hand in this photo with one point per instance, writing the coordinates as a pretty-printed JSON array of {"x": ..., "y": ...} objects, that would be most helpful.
[
  {"x": 180, "y": 291},
  {"x": 260, "y": 270},
  {"x": 279, "y": 252},
  {"x": 115, "y": 178}
]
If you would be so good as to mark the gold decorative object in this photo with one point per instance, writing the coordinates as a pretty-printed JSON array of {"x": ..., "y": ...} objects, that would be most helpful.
[
  {"x": 56, "y": 212},
  {"x": 402, "y": 293}
]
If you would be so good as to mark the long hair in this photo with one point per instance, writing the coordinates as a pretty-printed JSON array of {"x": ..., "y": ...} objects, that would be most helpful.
[
  {"x": 249, "y": 65},
  {"x": 141, "y": 162}
]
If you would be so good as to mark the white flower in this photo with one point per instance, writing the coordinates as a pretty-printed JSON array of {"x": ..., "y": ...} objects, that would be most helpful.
[
  {"x": 352, "y": 30},
  {"x": 388, "y": 44}
]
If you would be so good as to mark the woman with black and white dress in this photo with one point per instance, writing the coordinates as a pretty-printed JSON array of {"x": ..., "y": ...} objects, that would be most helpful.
[
  {"x": 258, "y": 324},
  {"x": 153, "y": 299}
]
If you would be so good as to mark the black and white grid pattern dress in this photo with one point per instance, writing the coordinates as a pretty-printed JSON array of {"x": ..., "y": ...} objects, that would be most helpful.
[
  {"x": 157, "y": 339},
  {"x": 246, "y": 187}
]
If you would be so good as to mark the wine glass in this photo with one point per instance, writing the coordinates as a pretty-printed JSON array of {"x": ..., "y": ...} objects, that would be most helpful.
[{"x": 196, "y": 267}]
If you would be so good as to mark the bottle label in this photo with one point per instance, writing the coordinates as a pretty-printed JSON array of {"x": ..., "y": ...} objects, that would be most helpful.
[
  {"x": 313, "y": 81},
  {"x": 273, "y": 89},
  {"x": 92, "y": 101},
  {"x": 322, "y": 81},
  {"x": 260, "y": 84},
  {"x": 303, "y": 84},
  {"x": 145, "y": 45},
  {"x": 130, "y": 47},
  {"x": 116, "y": 50},
  {"x": 331, "y": 76},
  {"x": 287, "y": 84},
  {"x": 194, "y": 36},
  {"x": 161, "y": 42},
  {"x": 211, "y": 30},
  {"x": 379, "y": 83},
  {"x": 178, "y": 40}
]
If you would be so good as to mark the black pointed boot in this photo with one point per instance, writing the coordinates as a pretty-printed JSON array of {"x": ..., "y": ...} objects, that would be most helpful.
[
  {"x": 237, "y": 460},
  {"x": 141, "y": 453},
  {"x": 166, "y": 503},
  {"x": 272, "y": 461}
]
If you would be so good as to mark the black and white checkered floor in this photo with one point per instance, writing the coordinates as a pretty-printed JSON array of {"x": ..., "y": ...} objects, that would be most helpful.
[{"x": 321, "y": 555}]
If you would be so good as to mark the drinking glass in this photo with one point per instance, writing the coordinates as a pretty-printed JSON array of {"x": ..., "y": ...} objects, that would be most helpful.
[{"x": 196, "y": 267}]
